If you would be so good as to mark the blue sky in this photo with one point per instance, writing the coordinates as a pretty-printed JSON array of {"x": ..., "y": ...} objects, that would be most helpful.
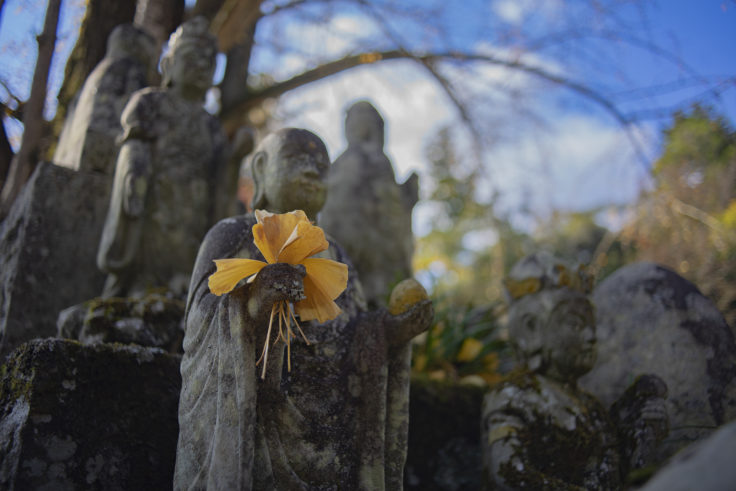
[{"x": 581, "y": 160}]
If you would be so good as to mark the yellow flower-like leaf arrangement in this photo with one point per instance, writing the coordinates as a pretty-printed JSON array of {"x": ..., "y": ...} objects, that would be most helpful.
[{"x": 288, "y": 238}]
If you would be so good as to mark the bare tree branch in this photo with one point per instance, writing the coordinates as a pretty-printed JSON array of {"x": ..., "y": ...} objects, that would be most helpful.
[{"x": 256, "y": 97}]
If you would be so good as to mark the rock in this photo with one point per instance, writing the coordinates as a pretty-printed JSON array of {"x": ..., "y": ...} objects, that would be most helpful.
[
  {"x": 153, "y": 321},
  {"x": 651, "y": 320},
  {"x": 47, "y": 247},
  {"x": 706, "y": 465},
  {"x": 93, "y": 418}
]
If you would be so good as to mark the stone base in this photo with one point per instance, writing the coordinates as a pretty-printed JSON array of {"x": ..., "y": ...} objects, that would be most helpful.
[
  {"x": 444, "y": 436},
  {"x": 154, "y": 321},
  {"x": 48, "y": 246},
  {"x": 81, "y": 417}
]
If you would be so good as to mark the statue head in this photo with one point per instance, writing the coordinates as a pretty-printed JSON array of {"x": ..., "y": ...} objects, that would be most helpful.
[
  {"x": 189, "y": 63},
  {"x": 364, "y": 125},
  {"x": 129, "y": 41},
  {"x": 551, "y": 320},
  {"x": 289, "y": 169}
]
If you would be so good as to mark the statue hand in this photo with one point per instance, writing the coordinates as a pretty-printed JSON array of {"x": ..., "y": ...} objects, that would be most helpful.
[
  {"x": 278, "y": 282},
  {"x": 401, "y": 328},
  {"x": 653, "y": 415}
]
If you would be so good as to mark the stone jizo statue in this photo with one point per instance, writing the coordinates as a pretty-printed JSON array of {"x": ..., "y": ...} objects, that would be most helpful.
[
  {"x": 88, "y": 140},
  {"x": 540, "y": 430},
  {"x": 339, "y": 418},
  {"x": 171, "y": 161},
  {"x": 366, "y": 210}
]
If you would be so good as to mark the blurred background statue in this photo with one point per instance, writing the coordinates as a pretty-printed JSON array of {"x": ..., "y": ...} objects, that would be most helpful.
[
  {"x": 88, "y": 139},
  {"x": 540, "y": 431},
  {"x": 366, "y": 211},
  {"x": 170, "y": 165}
]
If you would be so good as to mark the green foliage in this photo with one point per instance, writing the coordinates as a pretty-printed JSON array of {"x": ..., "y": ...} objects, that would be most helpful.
[
  {"x": 688, "y": 222},
  {"x": 577, "y": 237},
  {"x": 699, "y": 138},
  {"x": 459, "y": 272},
  {"x": 463, "y": 341}
]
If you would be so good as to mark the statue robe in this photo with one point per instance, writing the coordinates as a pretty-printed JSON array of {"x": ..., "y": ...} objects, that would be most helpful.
[
  {"x": 369, "y": 214},
  {"x": 324, "y": 425}
]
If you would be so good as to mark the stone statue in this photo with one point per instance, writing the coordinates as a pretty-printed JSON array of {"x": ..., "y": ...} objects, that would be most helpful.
[
  {"x": 171, "y": 162},
  {"x": 652, "y": 320},
  {"x": 88, "y": 139},
  {"x": 339, "y": 418},
  {"x": 366, "y": 211},
  {"x": 540, "y": 431}
]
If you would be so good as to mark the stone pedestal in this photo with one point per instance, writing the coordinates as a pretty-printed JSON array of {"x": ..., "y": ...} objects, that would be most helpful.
[
  {"x": 48, "y": 245},
  {"x": 81, "y": 417}
]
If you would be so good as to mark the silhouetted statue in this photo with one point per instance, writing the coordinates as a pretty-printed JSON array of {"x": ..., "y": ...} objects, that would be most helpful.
[
  {"x": 88, "y": 140},
  {"x": 366, "y": 211}
]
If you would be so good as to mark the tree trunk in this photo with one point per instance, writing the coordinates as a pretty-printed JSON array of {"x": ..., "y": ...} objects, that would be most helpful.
[
  {"x": 234, "y": 85},
  {"x": 33, "y": 122},
  {"x": 206, "y": 8},
  {"x": 159, "y": 18},
  {"x": 100, "y": 18},
  {"x": 6, "y": 151}
]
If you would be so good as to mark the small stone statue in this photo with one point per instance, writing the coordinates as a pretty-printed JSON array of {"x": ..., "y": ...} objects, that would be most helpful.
[
  {"x": 540, "y": 431},
  {"x": 366, "y": 211},
  {"x": 339, "y": 418},
  {"x": 88, "y": 140},
  {"x": 171, "y": 161}
]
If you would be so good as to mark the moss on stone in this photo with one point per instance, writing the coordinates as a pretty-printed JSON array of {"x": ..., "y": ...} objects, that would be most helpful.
[{"x": 101, "y": 417}]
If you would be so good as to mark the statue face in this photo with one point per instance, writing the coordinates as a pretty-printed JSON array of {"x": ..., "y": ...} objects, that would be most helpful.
[
  {"x": 296, "y": 174},
  {"x": 570, "y": 338},
  {"x": 364, "y": 125},
  {"x": 193, "y": 66}
]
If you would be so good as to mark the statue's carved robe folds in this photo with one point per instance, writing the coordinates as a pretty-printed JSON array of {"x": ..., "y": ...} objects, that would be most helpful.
[
  {"x": 559, "y": 438},
  {"x": 338, "y": 420},
  {"x": 163, "y": 199}
]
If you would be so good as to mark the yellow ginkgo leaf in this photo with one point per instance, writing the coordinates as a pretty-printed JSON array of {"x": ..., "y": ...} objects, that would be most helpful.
[{"x": 288, "y": 238}]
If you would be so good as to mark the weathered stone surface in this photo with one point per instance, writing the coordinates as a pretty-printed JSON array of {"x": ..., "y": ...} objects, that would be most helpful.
[
  {"x": 339, "y": 419},
  {"x": 170, "y": 164},
  {"x": 93, "y": 418},
  {"x": 651, "y": 320},
  {"x": 366, "y": 210},
  {"x": 153, "y": 321},
  {"x": 540, "y": 430},
  {"x": 88, "y": 139},
  {"x": 706, "y": 465},
  {"x": 47, "y": 246},
  {"x": 444, "y": 436}
]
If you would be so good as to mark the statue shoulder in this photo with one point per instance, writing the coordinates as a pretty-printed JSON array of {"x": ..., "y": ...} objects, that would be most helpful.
[
  {"x": 141, "y": 112},
  {"x": 228, "y": 236},
  {"x": 519, "y": 392}
]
